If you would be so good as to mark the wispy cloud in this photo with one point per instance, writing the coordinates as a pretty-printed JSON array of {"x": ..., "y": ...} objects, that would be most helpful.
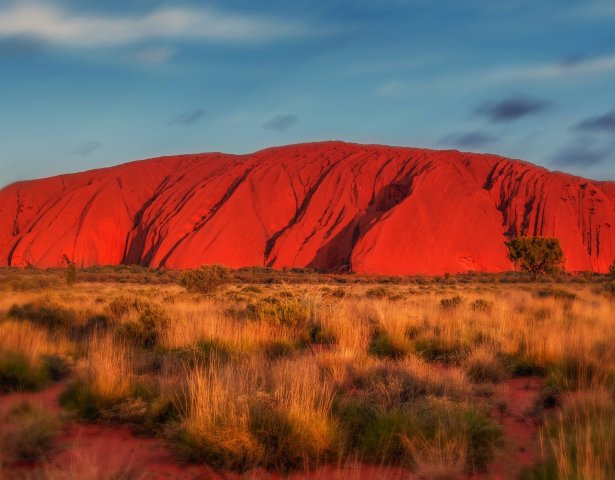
[
  {"x": 599, "y": 123},
  {"x": 581, "y": 153},
  {"x": 511, "y": 108},
  {"x": 154, "y": 55},
  {"x": 50, "y": 23},
  {"x": 475, "y": 139},
  {"x": 86, "y": 148},
  {"x": 188, "y": 118},
  {"x": 570, "y": 67},
  {"x": 281, "y": 123}
]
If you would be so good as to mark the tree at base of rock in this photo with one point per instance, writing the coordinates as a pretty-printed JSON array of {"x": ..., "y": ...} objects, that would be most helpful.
[{"x": 536, "y": 255}]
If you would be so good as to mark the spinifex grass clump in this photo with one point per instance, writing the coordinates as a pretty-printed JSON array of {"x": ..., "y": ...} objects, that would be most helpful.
[
  {"x": 246, "y": 415},
  {"x": 27, "y": 433}
]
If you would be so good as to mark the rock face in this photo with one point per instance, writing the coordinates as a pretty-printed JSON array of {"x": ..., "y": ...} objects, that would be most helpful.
[{"x": 330, "y": 206}]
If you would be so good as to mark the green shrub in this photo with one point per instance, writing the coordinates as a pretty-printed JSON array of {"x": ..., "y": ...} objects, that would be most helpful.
[
  {"x": 77, "y": 397},
  {"x": 434, "y": 349},
  {"x": 57, "y": 367},
  {"x": 144, "y": 332},
  {"x": 484, "y": 367},
  {"x": 16, "y": 373},
  {"x": 379, "y": 434},
  {"x": 286, "y": 312},
  {"x": 45, "y": 314},
  {"x": 382, "y": 346},
  {"x": 288, "y": 441},
  {"x": 28, "y": 433},
  {"x": 206, "y": 279}
]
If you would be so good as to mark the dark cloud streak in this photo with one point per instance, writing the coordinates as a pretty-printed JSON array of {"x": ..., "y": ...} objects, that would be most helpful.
[
  {"x": 598, "y": 123},
  {"x": 86, "y": 148},
  {"x": 511, "y": 108},
  {"x": 281, "y": 123},
  {"x": 475, "y": 139},
  {"x": 188, "y": 118}
]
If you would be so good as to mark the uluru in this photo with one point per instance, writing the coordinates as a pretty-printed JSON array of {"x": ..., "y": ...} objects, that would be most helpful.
[{"x": 330, "y": 206}]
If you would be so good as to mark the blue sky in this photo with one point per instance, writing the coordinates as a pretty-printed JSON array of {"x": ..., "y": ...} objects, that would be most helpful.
[{"x": 85, "y": 83}]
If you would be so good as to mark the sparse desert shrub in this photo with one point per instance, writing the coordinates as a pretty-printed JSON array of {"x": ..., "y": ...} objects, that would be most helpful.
[
  {"x": 17, "y": 373},
  {"x": 103, "y": 381},
  {"x": 251, "y": 289},
  {"x": 451, "y": 303},
  {"x": 45, "y": 314},
  {"x": 557, "y": 293},
  {"x": 481, "y": 305},
  {"x": 277, "y": 349},
  {"x": 483, "y": 366},
  {"x": 288, "y": 312},
  {"x": 434, "y": 349},
  {"x": 27, "y": 433},
  {"x": 57, "y": 367},
  {"x": 579, "y": 440},
  {"x": 377, "y": 292},
  {"x": 145, "y": 331},
  {"x": 237, "y": 417},
  {"x": 120, "y": 307},
  {"x": 206, "y": 279},
  {"x": 384, "y": 347},
  {"x": 405, "y": 434}
]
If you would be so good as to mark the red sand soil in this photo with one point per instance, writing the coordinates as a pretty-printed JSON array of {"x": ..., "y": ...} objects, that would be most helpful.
[
  {"x": 100, "y": 451},
  {"x": 332, "y": 206}
]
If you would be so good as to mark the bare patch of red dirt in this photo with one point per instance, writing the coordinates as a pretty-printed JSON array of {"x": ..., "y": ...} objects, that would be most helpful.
[{"x": 521, "y": 448}]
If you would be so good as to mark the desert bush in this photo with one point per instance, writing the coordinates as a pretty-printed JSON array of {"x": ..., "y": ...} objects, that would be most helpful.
[
  {"x": 146, "y": 330},
  {"x": 536, "y": 255},
  {"x": 383, "y": 346},
  {"x": 579, "y": 440},
  {"x": 288, "y": 312},
  {"x": 557, "y": 293},
  {"x": 45, "y": 314},
  {"x": 377, "y": 292},
  {"x": 483, "y": 366},
  {"x": 444, "y": 350},
  {"x": 251, "y": 289},
  {"x": 17, "y": 373},
  {"x": 481, "y": 305},
  {"x": 102, "y": 381},
  {"x": 406, "y": 434},
  {"x": 206, "y": 279},
  {"x": 450, "y": 303},
  {"x": 27, "y": 433},
  {"x": 239, "y": 417},
  {"x": 120, "y": 307},
  {"x": 277, "y": 349},
  {"x": 57, "y": 367}
]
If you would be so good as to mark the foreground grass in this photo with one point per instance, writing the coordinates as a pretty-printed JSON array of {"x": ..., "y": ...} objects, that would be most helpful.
[{"x": 289, "y": 377}]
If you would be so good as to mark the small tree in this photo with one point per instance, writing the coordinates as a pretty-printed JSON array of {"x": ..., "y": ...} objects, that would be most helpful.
[
  {"x": 205, "y": 279},
  {"x": 71, "y": 270},
  {"x": 536, "y": 255}
]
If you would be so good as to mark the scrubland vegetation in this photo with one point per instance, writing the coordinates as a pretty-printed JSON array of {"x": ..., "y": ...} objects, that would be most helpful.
[{"x": 256, "y": 369}]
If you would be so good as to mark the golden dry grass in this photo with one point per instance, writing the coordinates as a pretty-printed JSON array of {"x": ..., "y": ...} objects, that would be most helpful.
[{"x": 238, "y": 402}]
